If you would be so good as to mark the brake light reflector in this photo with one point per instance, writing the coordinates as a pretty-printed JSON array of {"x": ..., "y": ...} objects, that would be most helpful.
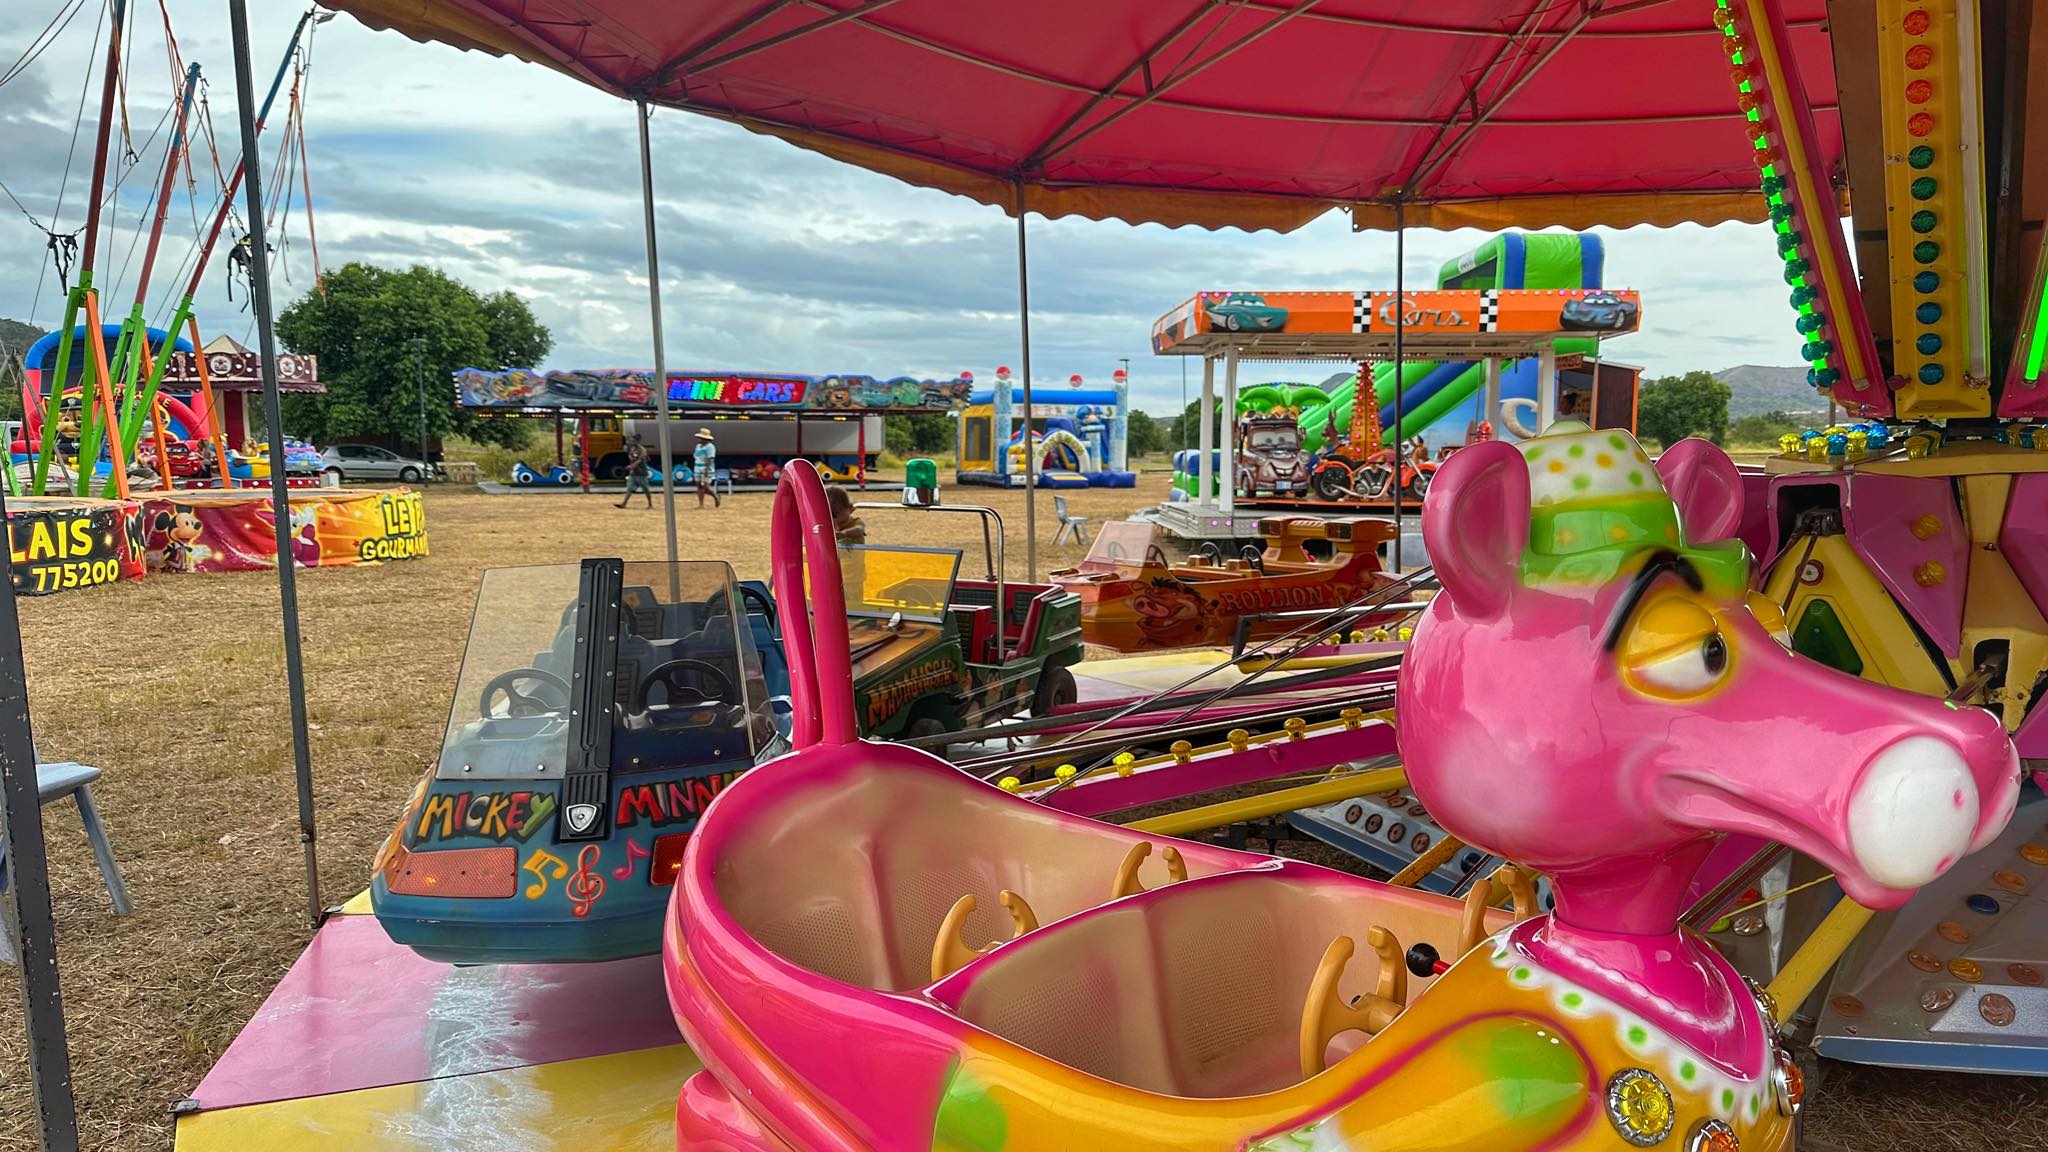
[
  {"x": 668, "y": 859},
  {"x": 454, "y": 874}
]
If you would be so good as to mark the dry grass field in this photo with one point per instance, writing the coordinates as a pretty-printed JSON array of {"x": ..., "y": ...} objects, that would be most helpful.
[{"x": 176, "y": 687}]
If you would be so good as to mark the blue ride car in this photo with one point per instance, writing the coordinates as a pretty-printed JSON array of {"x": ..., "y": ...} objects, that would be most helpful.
[
  {"x": 599, "y": 709},
  {"x": 1598, "y": 312}
]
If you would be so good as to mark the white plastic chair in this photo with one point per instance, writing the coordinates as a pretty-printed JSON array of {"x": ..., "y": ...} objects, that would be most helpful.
[{"x": 1071, "y": 526}]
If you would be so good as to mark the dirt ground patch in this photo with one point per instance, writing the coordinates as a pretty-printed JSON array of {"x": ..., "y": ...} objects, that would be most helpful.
[{"x": 175, "y": 686}]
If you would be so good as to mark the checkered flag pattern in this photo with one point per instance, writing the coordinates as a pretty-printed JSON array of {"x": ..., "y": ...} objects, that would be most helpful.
[
  {"x": 1489, "y": 310},
  {"x": 1361, "y": 311}
]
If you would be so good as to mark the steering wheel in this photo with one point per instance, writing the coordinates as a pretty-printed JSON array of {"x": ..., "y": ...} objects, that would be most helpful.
[
  {"x": 518, "y": 703},
  {"x": 951, "y": 951},
  {"x": 1127, "y": 882},
  {"x": 664, "y": 673},
  {"x": 1254, "y": 558},
  {"x": 1328, "y": 1013},
  {"x": 759, "y": 599},
  {"x": 1155, "y": 557}
]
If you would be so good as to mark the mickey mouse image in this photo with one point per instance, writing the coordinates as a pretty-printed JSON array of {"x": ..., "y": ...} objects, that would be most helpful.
[{"x": 178, "y": 533}]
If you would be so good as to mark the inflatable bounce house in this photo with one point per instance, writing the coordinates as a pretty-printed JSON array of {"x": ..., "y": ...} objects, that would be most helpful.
[
  {"x": 1444, "y": 401},
  {"x": 1078, "y": 441},
  {"x": 1451, "y": 392},
  {"x": 186, "y": 415}
]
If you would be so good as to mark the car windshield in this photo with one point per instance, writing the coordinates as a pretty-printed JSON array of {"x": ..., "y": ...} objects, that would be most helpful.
[
  {"x": 680, "y": 663},
  {"x": 1274, "y": 440},
  {"x": 1126, "y": 546},
  {"x": 884, "y": 581}
]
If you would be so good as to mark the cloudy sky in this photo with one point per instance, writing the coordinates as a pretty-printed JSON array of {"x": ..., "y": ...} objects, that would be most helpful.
[{"x": 509, "y": 175}]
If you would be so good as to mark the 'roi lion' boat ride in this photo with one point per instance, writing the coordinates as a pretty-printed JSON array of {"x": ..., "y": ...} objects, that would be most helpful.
[
  {"x": 843, "y": 993},
  {"x": 1136, "y": 597}
]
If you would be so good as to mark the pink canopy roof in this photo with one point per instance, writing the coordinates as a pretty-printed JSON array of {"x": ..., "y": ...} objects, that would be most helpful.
[{"x": 1255, "y": 113}]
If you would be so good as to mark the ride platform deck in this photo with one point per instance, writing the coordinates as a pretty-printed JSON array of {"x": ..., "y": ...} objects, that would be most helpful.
[{"x": 364, "y": 1046}]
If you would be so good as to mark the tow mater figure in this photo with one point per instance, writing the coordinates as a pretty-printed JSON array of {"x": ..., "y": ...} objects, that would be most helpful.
[{"x": 1270, "y": 461}]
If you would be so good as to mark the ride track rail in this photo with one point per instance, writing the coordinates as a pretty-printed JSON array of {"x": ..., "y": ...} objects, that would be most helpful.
[
  {"x": 1363, "y": 672},
  {"x": 1381, "y": 697},
  {"x": 1309, "y": 634},
  {"x": 1243, "y": 758},
  {"x": 1357, "y": 746}
]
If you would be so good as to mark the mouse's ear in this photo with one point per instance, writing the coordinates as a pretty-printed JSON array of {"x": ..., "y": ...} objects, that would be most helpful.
[
  {"x": 1476, "y": 524},
  {"x": 1704, "y": 484}
]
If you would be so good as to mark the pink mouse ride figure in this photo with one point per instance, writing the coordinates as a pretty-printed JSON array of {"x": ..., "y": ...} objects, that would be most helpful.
[
  {"x": 1595, "y": 695},
  {"x": 1597, "y": 631}
]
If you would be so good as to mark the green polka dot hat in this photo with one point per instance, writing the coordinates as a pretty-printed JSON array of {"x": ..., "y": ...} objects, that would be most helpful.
[{"x": 1595, "y": 502}]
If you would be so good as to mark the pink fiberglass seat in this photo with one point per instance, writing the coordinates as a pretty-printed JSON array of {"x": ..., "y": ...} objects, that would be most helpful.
[
  {"x": 1195, "y": 990},
  {"x": 851, "y": 871}
]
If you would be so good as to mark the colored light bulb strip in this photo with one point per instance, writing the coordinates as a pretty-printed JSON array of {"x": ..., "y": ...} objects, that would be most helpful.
[
  {"x": 1927, "y": 79},
  {"x": 1804, "y": 211},
  {"x": 1977, "y": 287}
]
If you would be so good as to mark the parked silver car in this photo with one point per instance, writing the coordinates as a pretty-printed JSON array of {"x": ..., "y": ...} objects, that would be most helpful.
[{"x": 349, "y": 462}]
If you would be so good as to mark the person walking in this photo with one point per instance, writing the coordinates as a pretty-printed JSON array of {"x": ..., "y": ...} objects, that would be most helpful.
[
  {"x": 706, "y": 466},
  {"x": 636, "y": 472}
]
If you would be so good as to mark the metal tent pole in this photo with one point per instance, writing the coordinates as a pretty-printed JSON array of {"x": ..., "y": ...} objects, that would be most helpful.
[
  {"x": 1030, "y": 464},
  {"x": 1205, "y": 438},
  {"x": 1489, "y": 411},
  {"x": 1228, "y": 493},
  {"x": 280, "y": 504},
  {"x": 668, "y": 464},
  {"x": 419, "y": 347},
  {"x": 28, "y": 873},
  {"x": 1400, "y": 330}
]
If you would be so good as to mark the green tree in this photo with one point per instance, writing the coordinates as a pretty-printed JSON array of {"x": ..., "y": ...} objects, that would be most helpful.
[
  {"x": 1675, "y": 407},
  {"x": 379, "y": 331},
  {"x": 1143, "y": 435},
  {"x": 1186, "y": 428},
  {"x": 1764, "y": 430},
  {"x": 917, "y": 433},
  {"x": 15, "y": 338}
]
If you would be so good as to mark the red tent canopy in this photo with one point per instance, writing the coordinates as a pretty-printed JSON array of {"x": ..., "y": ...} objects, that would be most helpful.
[{"x": 1253, "y": 113}]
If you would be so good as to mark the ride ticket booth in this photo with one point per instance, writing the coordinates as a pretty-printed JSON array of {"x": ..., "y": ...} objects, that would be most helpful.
[{"x": 1469, "y": 335}]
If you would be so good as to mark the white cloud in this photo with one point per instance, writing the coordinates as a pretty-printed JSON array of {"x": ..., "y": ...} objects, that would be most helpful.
[{"x": 511, "y": 175}]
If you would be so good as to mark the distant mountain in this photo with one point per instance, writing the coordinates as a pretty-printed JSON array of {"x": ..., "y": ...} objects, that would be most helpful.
[
  {"x": 1759, "y": 388},
  {"x": 15, "y": 338}
]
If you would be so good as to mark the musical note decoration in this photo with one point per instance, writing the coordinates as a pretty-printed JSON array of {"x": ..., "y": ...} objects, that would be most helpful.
[
  {"x": 585, "y": 886},
  {"x": 541, "y": 863},
  {"x": 634, "y": 852}
]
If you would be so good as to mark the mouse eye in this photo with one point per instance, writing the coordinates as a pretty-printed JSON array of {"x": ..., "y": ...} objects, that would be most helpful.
[
  {"x": 1687, "y": 671},
  {"x": 1675, "y": 649}
]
